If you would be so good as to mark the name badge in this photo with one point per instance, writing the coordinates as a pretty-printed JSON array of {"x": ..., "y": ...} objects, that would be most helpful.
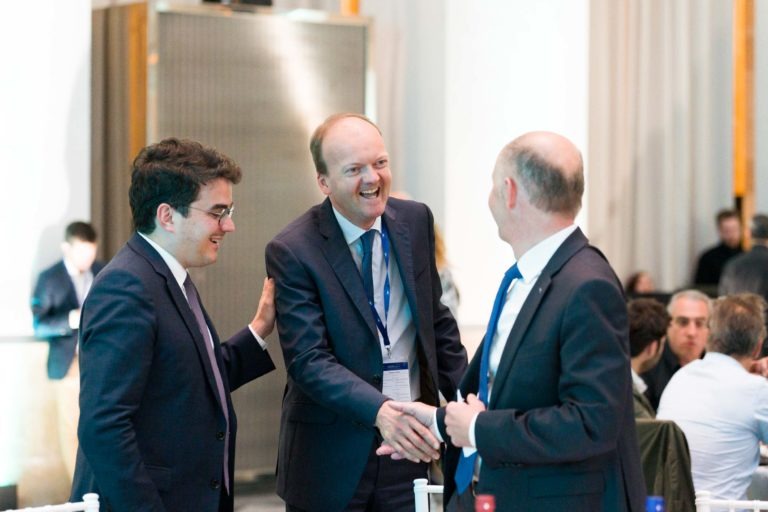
[{"x": 397, "y": 382}]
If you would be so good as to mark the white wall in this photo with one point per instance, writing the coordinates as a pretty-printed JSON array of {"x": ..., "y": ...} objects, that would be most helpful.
[
  {"x": 512, "y": 66},
  {"x": 45, "y": 132}
]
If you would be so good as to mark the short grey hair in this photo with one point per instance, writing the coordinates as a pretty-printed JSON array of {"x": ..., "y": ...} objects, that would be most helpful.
[
  {"x": 737, "y": 324},
  {"x": 691, "y": 294}
]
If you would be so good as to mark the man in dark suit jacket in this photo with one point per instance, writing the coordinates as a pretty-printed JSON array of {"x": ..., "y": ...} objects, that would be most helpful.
[
  {"x": 338, "y": 351},
  {"x": 557, "y": 432},
  {"x": 749, "y": 272},
  {"x": 59, "y": 294},
  {"x": 157, "y": 428},
  {"x": 56, "y": 302}
]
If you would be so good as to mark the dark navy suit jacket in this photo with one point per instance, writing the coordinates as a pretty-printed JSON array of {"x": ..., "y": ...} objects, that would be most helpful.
[
  {"x": 332, "y": 350},
  {"x": 560, "y": 430},
  {"x": 54, "y": 297},
  {"x": 151, "y": 426}
]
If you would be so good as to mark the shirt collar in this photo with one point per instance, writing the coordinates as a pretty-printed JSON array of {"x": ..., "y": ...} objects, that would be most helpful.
[
  {"x": 352, "y": 232},
  {"x": 178, "y": 271},
  {"x": 639, "y": 382},
  {"x": 536, "y": 258}
]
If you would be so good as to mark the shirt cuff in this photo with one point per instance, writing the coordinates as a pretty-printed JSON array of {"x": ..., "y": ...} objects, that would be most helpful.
[
  {"x": 434, "y": 429},
  {"x": 258, "y": 338},
  {"x": 472, "y": 440},
  {"x": 469, "y": 450}
]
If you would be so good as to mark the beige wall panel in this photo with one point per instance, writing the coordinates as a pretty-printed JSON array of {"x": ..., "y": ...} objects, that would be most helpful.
[{"x": 254, "y": 86}]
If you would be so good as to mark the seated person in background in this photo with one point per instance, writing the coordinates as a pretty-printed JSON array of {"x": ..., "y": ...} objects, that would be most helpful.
[
  {"x": 648, "y": 321},
  {"x": 719, "y": 405},
  {"x": 712, "y": 261},
  {"x": 748, "y": 272},
  {"x": 639, "y": 283},
  {"x": 686, "y": 338}
]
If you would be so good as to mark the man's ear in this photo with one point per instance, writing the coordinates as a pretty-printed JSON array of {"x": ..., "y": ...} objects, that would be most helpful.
[
  {"x": 322, "y": 182},
  {"x": 510, "y": 190},
  {"x": 164, "y": 217}
]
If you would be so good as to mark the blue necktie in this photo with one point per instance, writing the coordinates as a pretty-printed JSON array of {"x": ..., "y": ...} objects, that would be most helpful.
[
  {"x": 466, "y": 467},
  {"x": 367, "y": 266}
]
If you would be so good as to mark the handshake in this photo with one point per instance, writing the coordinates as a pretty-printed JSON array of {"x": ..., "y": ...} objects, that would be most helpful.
[{"x": 409, "y": 429}]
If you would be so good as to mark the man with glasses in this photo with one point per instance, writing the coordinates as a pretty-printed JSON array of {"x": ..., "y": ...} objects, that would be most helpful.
[
  {"x": 686, "y": 339},
  {"x": 157, "y": 428}
]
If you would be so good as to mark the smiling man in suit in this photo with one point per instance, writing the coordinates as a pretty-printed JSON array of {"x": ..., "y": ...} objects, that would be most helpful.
[
  {"x": 548, "y": 419},
  {"x": 360, "y": 322},
  {"x": 157, "y": 428},
  {"x": 56, "y": 302}
]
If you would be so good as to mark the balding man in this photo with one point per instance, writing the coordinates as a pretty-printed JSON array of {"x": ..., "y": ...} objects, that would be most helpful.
[{"x": 553, "y": 421}]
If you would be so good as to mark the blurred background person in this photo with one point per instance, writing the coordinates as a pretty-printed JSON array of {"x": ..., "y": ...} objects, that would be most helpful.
[
  {"x": 721, "y": 407},
  {"x": 748, "y": 272},
  {"x": 712, "y": 261},
  {"x": 648, "y": 322},
  {"x": 450, "y": 295},
  {"x": 686, "y": 340},
  {"x": 56, "y": 302},
  {"x": 639, "y": 283}
]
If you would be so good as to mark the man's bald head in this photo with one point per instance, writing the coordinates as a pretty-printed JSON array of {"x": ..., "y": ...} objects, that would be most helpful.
[{"x": 550, "y": 169}]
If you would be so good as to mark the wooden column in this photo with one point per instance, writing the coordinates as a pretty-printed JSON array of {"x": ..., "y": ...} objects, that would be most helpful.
[{"x": 743, "y": 109}]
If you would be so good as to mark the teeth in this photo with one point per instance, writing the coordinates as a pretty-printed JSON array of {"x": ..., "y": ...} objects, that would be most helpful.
[{"x": 370, "y": 193}]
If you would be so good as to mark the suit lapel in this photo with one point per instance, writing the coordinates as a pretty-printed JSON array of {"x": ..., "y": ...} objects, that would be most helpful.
[
  {"x": 569, "y": 247},
  {"x": 182, "y": 306},
  {"x": 400, "y": 242},
  {"x": 336, "y": 252}
]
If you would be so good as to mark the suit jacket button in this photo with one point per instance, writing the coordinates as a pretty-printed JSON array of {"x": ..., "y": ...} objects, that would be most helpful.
[
  {"x": 215, "y": 484},
  {"x": 377, "y": 379},
  {"x": 220, "y": 436}
]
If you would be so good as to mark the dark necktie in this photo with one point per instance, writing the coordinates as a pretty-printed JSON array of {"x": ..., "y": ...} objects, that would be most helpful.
[
  {"x": 466, "y": 466},
  {"x": 194, "y": 303},
  {"x": 367, "y": 266}
]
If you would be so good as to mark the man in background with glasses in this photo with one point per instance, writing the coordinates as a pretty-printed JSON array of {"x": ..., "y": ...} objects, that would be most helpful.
[
  {"x": 157, "y": 428},
  {"x": 686, "y": 339}
]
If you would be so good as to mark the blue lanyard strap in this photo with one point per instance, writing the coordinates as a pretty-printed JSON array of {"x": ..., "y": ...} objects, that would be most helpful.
[{"x": 381, "y": 325}]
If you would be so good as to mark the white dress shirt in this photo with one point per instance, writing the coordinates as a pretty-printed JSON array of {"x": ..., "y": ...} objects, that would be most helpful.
[
  {"x": 723, "y": 411},
  {"x": 180, "y": 275},
  {"x": 81, "y": 280},
  {"x": 399, "y": 322},
  {"x": 530, "y": 265}
]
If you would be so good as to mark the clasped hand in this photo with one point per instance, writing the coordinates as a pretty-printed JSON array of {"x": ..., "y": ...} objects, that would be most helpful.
[{"x": 458, "y": 417}]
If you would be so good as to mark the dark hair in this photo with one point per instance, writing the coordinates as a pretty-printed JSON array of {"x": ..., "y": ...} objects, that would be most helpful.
[
  {"x": 172, "y": 171},
  {"x": 737, "y": 324},
  {"x": 316, "y": 142},
  {"x": 648, "y": 322},
  {"x": 79, "y": 230},
  {"x": 726, "y": 214},
  {"x": 631, "y": 284},
  {"x": 759, "y": 228},
  {"x": 549, "y": 188}
]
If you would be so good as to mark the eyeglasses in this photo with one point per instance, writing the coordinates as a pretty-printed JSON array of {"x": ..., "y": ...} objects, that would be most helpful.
[
  {"x": 683, "y": 321},
  {"x": 220, "y": 215}
]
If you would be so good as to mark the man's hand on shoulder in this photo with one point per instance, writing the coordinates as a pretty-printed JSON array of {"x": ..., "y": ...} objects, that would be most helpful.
[{"x": 264, "y": 321}]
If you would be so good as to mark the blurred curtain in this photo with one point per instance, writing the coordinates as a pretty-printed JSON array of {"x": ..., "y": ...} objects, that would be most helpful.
[
  {"x": 118, "y": 114},
  {"x": 660, "y": 132}
]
